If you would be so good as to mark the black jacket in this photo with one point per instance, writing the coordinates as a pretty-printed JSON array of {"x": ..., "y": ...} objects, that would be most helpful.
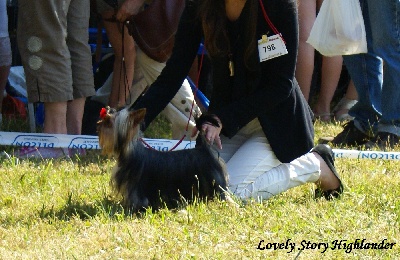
[{"x": 269, "y": 93}]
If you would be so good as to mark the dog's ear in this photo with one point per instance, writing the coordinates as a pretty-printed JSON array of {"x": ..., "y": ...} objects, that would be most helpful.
[{"x": 138, "y": 115}]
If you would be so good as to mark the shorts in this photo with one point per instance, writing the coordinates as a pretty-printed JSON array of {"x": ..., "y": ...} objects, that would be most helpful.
[
  {"x": 56, "y": 58},
  {"x": 5, "y": 51}
]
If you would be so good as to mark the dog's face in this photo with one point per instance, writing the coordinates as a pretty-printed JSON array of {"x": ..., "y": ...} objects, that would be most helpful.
[{"x": 116, "y": 130}]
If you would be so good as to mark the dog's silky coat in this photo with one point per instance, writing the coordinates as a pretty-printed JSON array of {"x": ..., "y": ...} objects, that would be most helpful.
[{"x": 149, "y": 178}]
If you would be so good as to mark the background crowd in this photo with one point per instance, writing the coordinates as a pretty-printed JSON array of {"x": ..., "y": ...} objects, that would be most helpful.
[{"x": 53, "y": 38}]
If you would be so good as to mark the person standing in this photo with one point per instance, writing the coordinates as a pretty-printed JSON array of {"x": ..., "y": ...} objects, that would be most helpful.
[
  {"x": 124, "y": 50},
  {"x": 53, "y": 38},
  {"x": 5, "y": 53},
  {"x": 375, "y": 74},
  {"x": 331, "y": 67},
  {"x": 182, "y": 108}
]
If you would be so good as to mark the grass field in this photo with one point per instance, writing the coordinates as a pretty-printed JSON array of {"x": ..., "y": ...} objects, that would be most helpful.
[{"x": 60, "y": 209}]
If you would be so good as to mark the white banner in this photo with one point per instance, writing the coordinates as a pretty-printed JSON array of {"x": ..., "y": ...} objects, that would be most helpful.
[
  {"x": 88, "y": 142},
  {"x": 91, "y": 142},
  {"x": 375, "y": 155}
]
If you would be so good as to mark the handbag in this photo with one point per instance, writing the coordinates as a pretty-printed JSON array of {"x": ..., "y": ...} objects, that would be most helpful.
[
  {"x": 339, "y": 29},
  {"x": 155, "y": 27}
]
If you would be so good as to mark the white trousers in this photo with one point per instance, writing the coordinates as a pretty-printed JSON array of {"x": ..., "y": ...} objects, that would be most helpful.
[{"x": 255, "y": 172}]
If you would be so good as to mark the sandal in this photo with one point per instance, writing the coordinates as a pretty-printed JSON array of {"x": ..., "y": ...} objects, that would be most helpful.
[
  {"x": 341, "y": 110},
  {"x": 325, "y": 151},
  {"x": 323, "y": 117}
]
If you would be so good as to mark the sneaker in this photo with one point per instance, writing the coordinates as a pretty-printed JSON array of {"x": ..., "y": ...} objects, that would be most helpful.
[
  {"x": 41, "y": 153},
  {"x": 350, "y": 136},
  {"x": 383, "y": 141}
]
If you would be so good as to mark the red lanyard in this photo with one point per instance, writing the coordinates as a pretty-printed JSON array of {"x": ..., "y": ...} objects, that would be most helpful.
[{"x": 271, "y": 25}]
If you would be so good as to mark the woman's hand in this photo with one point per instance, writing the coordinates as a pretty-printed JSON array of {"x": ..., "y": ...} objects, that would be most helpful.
[
  {"x": 128, "y": 8},
  {"x": 211, "y": 132}
]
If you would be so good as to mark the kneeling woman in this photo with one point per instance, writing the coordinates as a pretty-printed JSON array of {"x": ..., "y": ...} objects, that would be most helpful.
[{"x": 265, "y": 129}]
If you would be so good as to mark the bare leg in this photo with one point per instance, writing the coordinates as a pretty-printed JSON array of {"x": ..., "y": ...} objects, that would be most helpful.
[
  {"x": 330, "y": 75},
  {"x": 350, "y": 99},
  {"x": 351, "y": 92},
  {"x": 4, "y": 72},
  {"x": 55, "y": 117},
  {"x": 123, "y": 71},
  {"x": 64, "y": 117},
  {"x": 305, "y": 59},
  {"x": 75, "y": 110}
]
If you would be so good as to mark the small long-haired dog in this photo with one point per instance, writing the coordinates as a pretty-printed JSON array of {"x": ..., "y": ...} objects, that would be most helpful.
[{"x": 149, "y": 178}]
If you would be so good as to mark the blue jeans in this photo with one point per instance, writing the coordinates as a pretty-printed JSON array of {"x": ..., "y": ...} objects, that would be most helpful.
[{"x": 378, "y": 86}]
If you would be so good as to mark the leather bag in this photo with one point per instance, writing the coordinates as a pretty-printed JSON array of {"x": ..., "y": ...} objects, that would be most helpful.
[{"x": 155, "y": 27}]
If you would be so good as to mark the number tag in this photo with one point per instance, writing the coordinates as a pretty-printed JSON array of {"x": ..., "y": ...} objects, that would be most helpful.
[{"x": 271, "y": 47}]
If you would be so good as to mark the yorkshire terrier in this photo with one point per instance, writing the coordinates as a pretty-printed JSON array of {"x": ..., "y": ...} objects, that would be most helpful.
[{"x": 146, "y": 177}]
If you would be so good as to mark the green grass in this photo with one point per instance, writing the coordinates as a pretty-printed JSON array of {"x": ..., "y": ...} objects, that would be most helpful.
[{"x": 59, "y": 209}]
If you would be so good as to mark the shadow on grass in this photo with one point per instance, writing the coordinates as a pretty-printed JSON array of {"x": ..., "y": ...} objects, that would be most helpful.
[{"x": 105, "y": 208}]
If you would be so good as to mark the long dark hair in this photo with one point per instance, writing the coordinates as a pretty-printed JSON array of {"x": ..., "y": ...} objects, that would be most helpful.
[{"x": 213, "y": 19}]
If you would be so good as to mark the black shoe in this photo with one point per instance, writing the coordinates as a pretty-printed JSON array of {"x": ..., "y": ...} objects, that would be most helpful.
[
  {"x": 383, "y": 141},
  {"x": 350, "y": 136},
  {"x": 326, "y": 153}
]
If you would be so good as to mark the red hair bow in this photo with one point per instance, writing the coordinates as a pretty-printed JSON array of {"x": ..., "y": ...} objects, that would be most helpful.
[{"x": 103, "y": 113}]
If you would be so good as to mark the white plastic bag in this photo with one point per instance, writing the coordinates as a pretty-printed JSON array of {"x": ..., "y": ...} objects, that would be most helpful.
[{"x": 339, "y": 29}]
